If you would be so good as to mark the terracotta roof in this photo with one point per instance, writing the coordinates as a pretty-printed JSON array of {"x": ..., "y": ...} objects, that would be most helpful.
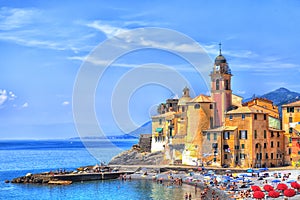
[
  {"x": 222, "y": 128},
  {"x": 273, "y": 129},
  {"x": 245, "y": 109},
  {"x": 165, "y": 115},
  {"x": 296, "y": 103},
  {"x": 201, "y": 98}
]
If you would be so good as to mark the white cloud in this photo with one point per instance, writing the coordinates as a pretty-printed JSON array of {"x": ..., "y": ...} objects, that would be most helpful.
[
  {"x": 25, "y": 105},
  {"x": 65, "y": 103},
  {"x": 107, "y": 29},
  {"x": 29, "y": 27},
  {"x": 4, "y": 96},
  {"x": 14, "y": 18}
]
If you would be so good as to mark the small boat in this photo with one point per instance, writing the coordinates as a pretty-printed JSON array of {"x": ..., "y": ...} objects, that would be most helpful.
[{"x": 59, "y": 182}]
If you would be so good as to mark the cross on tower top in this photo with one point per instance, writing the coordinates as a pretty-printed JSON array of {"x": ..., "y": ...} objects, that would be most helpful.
[{"x": 220, "y": 45}]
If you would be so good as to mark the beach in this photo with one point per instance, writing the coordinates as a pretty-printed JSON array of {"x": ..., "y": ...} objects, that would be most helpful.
[{"x": 206, "y": 184}]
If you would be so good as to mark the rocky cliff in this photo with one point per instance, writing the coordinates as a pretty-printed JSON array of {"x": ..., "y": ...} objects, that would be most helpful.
[{"x": 136, "y": 157}]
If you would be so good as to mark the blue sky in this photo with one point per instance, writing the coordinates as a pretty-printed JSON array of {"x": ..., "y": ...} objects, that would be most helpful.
[{"x": 43, "y": 45}]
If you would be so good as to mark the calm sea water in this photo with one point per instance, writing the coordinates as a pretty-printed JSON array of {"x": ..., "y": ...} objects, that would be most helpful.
[{"x": 20, "y": 157}]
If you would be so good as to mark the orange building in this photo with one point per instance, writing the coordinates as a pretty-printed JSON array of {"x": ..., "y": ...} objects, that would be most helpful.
[
  {"x": 219, "y": 129},
  {"x": 291, "y": 126}
]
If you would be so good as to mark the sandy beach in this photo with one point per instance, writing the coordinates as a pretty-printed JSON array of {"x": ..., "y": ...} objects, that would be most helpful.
[{"x": 213, "y": 186}]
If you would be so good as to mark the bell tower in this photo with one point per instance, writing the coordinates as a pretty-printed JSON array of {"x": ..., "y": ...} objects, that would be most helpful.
[{"x": 221, "y": 87}]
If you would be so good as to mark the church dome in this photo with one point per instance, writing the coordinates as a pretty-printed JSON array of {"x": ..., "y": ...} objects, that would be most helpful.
[{"x": 220, "y": 59}]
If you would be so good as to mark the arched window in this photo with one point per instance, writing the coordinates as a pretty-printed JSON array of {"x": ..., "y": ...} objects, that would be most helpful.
[
  {"x": 217, "y": 84},
  {"x": 197, "y": 106}
]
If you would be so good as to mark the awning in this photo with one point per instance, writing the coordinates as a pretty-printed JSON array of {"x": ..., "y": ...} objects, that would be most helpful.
[{"x": 159, "y": 130}]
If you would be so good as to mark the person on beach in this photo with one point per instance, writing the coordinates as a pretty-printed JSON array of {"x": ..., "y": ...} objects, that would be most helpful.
[
  {"x": 190, "y": 196},
  {"x": 186, "y": 196}
]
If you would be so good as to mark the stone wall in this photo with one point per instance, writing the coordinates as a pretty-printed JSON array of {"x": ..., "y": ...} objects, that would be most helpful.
[{"x": 145, "y": 142}]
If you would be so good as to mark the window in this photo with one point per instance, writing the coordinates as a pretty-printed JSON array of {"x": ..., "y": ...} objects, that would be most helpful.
[
  {"x": 290, "y": 109},
  {"x": 278, "y": 144},
  {"x": 243, "y": 146},
  {"x": 265, "y": 134},
  {"x": 237, "y": 147},
  {"x": 277, "y": 156},
  {"x": 211, "y": 121},
  {"x": 290, "y": 130},
  {"x": 226, "y": 135},
  {"x": 242, "y": 156},
  {"x": 183, "y": 109},
  {"x": 208, "y": 136},
  {"x": 227, "y": 85},
  {"x": 290, "y": 151},
  {"x": 255, "y": 134},
  {"x": 265, "y": 145},
  {"x": 230, "y": 117},
  {"x": 243, "y": 134},
  {"x": 267, "y": 156},
  {"x": 290, "y": 139},
  {"x": 211, "y": 106},
  {"x": 225, "y": 156},
  {"x": 226, "y": 148},
  {"x": 243, "y": 116},
  {"x": 272, "y": 134},
  {"x": 255, "y": 116},
  {"x": 217, "y": 84},
  {"x": 215, "y": 136},
  {"x": 160, "y": 121},
  {"x": 278, "y": 134},
  {"x": 298, "y": 152},
  {"x": 290, "y": 119},
  {"x": 272, "y": 156},
  {"x": 256, "y": 145},
  {"x": 265, "y": 117},
  {"x": 197, "y": 106},
  {"x": 272, "y": 144}
]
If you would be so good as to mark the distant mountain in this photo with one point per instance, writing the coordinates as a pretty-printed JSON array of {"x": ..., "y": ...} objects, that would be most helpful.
[
  {"x": 280, "y": 96},
  {"x": 144, "y": 129}
]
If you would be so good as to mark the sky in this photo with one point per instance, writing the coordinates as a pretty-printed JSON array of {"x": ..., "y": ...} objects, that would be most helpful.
[{"x": 45, "y": 45}]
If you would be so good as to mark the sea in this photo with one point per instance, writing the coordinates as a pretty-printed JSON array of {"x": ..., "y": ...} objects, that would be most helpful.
[{"x": 19, "y": 157}]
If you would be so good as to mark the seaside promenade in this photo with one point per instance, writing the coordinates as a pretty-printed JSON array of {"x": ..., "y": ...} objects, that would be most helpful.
[{"x": 223, "y": 183}]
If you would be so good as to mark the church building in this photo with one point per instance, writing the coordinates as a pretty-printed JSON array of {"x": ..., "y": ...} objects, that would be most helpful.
[{"x": 219, "y": 129}]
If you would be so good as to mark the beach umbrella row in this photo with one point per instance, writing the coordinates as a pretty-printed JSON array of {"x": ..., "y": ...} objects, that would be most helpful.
[
  {"x": 268, "y": 188},
  {"x": 295, "y": 185},
  {"x": 258, "y": 195},
  {"x": 255, "y": 188},
  {"x": 274, "y": 194},
  {"x": 289, "y": 193},
  {"x": 282, "y": 186}
]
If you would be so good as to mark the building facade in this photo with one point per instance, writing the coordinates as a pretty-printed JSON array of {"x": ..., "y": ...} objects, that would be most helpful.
[
  {"x": 291, "y": 126},
  {"x": 218, "y": 129}
]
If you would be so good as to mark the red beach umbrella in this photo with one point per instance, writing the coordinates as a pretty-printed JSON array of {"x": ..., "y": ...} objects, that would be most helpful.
[
  {"x": 282, "y": 186},
  {"x": 258, "y": 195},
  {"x": 289, "y": 193},
  {"x": 295, "y": 185},
  {"x": 268, "y": 188},
  {"x": 255, "y": 188},
  {"x": 273, "y": 194}
]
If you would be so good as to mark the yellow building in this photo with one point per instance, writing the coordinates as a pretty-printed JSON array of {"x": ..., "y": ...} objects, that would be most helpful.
[
  {"x": 291, "y": 126},
  {"x": 219, "y": 129}
]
